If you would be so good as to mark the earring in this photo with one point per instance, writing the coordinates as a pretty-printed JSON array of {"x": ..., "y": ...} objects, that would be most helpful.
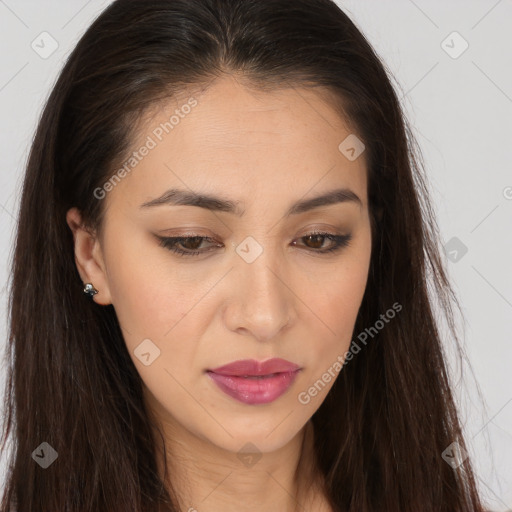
[{"x": 90, "y": 290}]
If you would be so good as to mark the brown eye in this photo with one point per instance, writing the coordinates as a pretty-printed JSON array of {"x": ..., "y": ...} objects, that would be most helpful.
[
  {"x": 190, "y": 244},
  {"x": 314, "y": 241},
  {"x": 317, "y": 241}
]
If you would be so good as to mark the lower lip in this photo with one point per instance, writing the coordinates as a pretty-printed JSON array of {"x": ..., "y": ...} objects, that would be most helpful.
[{"x": 252, "y": 390}]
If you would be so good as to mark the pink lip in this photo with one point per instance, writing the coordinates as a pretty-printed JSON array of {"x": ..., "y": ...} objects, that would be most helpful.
[
  {"x": 245, "y": 367},
  {"x": 251, "y": 382}
]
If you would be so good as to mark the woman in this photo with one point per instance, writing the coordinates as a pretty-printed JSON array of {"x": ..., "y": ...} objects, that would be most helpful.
[{"x": 219, "y": 296}]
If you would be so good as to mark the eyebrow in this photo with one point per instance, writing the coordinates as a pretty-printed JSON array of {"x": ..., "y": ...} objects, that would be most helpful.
[{"x": 177, "y": 197}]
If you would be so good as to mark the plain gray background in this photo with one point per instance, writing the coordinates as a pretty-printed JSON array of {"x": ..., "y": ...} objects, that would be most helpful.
[{"x": 460, "y": 105}]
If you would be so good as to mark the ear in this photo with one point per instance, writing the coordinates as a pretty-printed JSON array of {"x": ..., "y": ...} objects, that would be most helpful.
[{"x": 88, "y": 257}]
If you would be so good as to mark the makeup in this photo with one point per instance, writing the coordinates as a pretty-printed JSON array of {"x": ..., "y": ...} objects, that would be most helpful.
[{"x": 252, "y": 382}]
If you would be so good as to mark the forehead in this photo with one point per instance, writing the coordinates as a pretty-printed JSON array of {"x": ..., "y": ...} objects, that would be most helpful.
[{"x": 229, "y": 137}]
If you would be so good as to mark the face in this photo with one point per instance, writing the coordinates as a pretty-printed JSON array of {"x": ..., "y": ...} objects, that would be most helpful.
[{"x": 261, "y": 272}]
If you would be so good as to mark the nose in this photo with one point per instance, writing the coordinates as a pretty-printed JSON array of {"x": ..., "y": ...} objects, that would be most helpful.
[{"x": 262, "y": 301}]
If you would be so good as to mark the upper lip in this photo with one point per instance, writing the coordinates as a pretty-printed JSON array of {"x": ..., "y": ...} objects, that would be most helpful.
[{"x": 244, "y": 367}]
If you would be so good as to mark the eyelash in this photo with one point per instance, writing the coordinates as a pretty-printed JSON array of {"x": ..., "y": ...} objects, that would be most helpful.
[{"x": 340, "y": 242}]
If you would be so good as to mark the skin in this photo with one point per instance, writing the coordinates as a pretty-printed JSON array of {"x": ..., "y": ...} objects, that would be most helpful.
[{"x": 265, "y": 150}]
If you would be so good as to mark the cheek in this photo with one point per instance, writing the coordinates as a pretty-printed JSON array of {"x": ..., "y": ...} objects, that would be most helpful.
[
  {"x": 334, "y": 292},
  {"x": 164, "y": 314},
  {"x": 335, "y": 305},
  {"x": 157, "y": 313},
  {"x": 343, "y": 299},
  {"x": 165, "y": 302},
  {"x": 149, "y": 293}
]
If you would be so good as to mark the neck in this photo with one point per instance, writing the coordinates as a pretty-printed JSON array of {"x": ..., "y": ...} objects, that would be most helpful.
[{"x": 207, "y": 477}]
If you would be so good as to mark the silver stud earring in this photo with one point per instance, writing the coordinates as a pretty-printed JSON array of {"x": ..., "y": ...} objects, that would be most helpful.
[{"x": 90, "y": 290}]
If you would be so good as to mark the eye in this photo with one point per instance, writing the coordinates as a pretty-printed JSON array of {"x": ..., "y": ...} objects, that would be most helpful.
[
  {"x": 189, "y": 245},
  {"x": 317, "y": 239}
]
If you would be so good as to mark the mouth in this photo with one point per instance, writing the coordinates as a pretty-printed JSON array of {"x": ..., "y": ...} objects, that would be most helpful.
[
  {"x": 255, "y": 377},
  {"x": 253, "y": 368},
  {"x": 251, "y": 382}
]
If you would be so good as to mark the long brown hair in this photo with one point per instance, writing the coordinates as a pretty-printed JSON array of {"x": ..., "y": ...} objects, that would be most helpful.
[{"x": 381, "y": 432}]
